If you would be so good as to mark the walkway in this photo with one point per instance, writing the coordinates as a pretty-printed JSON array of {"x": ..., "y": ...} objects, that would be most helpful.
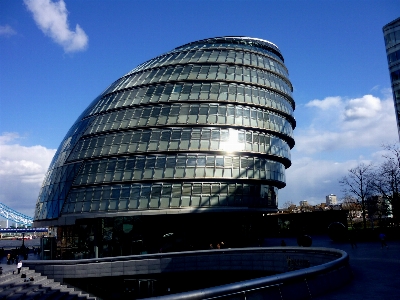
[{"x": 376, "y": 271}]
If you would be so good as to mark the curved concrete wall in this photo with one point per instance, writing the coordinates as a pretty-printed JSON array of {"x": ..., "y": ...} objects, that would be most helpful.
[{"x": 301, "y": 272}]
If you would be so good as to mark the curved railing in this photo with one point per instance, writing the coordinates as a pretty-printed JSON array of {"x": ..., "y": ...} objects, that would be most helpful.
[{"x": 300, "y": 272}]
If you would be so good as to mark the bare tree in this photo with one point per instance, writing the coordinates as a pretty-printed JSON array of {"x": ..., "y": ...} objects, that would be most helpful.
[
  {"x": 289, "y": 206},
  {"x": 377, "y": 208},
  {"x": 358, "y": 183},
  {"x": 350, "y": 204},
  {"x": 386, "y": 181}
]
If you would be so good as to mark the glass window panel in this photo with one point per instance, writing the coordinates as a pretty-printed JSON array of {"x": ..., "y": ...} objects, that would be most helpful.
[
  {"x": 189, "y": 172},
  {"x": 95, "y": 206},
  {"x": 179, "y": 173},
  {"x": 205, "y": 201},
  {"x": 218, "y": 172}
]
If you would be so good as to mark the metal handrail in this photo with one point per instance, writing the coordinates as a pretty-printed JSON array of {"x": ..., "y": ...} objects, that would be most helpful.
[
  {"x": 339, "y": 259},
  {"x": 288, "y": 250},
  {"x": 268, "y": 281}
]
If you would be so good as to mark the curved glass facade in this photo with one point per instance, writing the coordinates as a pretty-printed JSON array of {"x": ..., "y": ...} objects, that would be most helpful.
[{"x": 207, "y": 126}]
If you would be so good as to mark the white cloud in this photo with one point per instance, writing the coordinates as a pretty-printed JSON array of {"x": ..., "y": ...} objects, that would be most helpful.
[
  {"x": 312, "y": 179},
  {"x": 7, "y": 30},
  {"x": 367, "y": 121},
  {"x": 22, "y": 170},
  {"x": 51, "y": 18},
  {"x": 327, "y": 103},
  {"x": 336, "y": 134},
  {"x": 366, "y": 107}
]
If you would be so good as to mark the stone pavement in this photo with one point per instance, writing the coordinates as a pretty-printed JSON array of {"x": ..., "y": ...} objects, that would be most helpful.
[{"x": 376, "y": 270}]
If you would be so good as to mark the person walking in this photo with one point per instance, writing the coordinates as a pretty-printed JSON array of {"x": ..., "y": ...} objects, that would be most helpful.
[
  {"x": 352, "y": 240},
  {"x": 19, "y": 266},
  {"x": 382, "y": 237}
]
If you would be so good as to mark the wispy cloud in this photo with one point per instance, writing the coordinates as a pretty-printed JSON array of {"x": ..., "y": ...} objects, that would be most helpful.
[
  {"x": 7, "y": 30},
  {"x": 52, "y": 19},
  {"x": 22, "y": 170}
]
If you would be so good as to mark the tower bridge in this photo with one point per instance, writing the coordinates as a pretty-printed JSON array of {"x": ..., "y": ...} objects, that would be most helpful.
[{"x": 14, "y": 216}]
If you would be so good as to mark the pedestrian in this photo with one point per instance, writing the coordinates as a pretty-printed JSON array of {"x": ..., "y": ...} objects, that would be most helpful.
[
  {"x": 283, "y": 243},
  {"x": 19, "y": 266},
  {"x": 352, "y": 240},
  {"x": 8, "y": 258},
  {"x": 382, "y": 237}
]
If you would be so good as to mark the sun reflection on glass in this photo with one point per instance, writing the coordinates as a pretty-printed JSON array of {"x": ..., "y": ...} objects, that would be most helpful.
[{"x": 232, "y": 144}]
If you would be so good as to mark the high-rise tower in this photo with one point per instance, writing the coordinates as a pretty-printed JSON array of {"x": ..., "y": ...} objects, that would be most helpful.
[
  {"x": 391, "y": 34},
  {"x": 192, "y": 138}
]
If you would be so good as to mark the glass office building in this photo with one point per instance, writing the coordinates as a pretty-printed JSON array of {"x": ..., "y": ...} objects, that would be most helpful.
[
  {"x": 188, "y": 147},
  {"x": 391, "y": 34}
]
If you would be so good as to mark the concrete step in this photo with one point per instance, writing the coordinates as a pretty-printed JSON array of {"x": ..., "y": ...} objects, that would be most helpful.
[
  {"x": 12, "y": 286},
  {"x": 60, "y": 296},
  {"x": 50, "y": 295},
  {"x": 9, "y": 276},
  {"x": 9, "y": 292},
  {"x": 36, "y": 294}
]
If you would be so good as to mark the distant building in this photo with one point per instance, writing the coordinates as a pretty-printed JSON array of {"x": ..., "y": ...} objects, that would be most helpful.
[
  {"x": 331, "y": 199},
  {"x": 391, "y": 34},
  {"x": 304, "y": 203},
  {"x": 3, "y": 224}
]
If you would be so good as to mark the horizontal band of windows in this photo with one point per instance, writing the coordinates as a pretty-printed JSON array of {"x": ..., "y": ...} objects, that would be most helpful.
[
  {"x": 200, "y": 77},
  {"x": 273, "y": 153},
  {"x": 194, "y": 173},
  {"x": 261, "y": 45},
  {"x": 392, "y": 38},
  {"x": 191, "y": 114},
  {"x": 252, "y": 57},
  {"x": 161, "y": 167},
  {"x": 395, "y": 75},
  {"x": 277, "y": 158},
  {"x": 283, "y": 137},
  {"x": 142, "y": 162},
  {"x": 289, "y": 118},
  {"x": 216, "y": 57},
  {"x": 192, "y": 139},
  {"x": 63, "y": 175},
  {"x": 230, "y": 46},
  {"x": 69, "y": 142},
  {"x": 225, "y": 73},
  {"x": 207, "y": 92},
  {"x": 210, "y": 90},
  {"x": 209, "y": 72},
  {"x": 393, "y": 57},
  {"x": 147, "y": 196},
  {"x": 274, "y": 145}
]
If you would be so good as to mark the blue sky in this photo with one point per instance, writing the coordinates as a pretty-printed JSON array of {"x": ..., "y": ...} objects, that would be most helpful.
[{"x": 56, "y": 57}]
